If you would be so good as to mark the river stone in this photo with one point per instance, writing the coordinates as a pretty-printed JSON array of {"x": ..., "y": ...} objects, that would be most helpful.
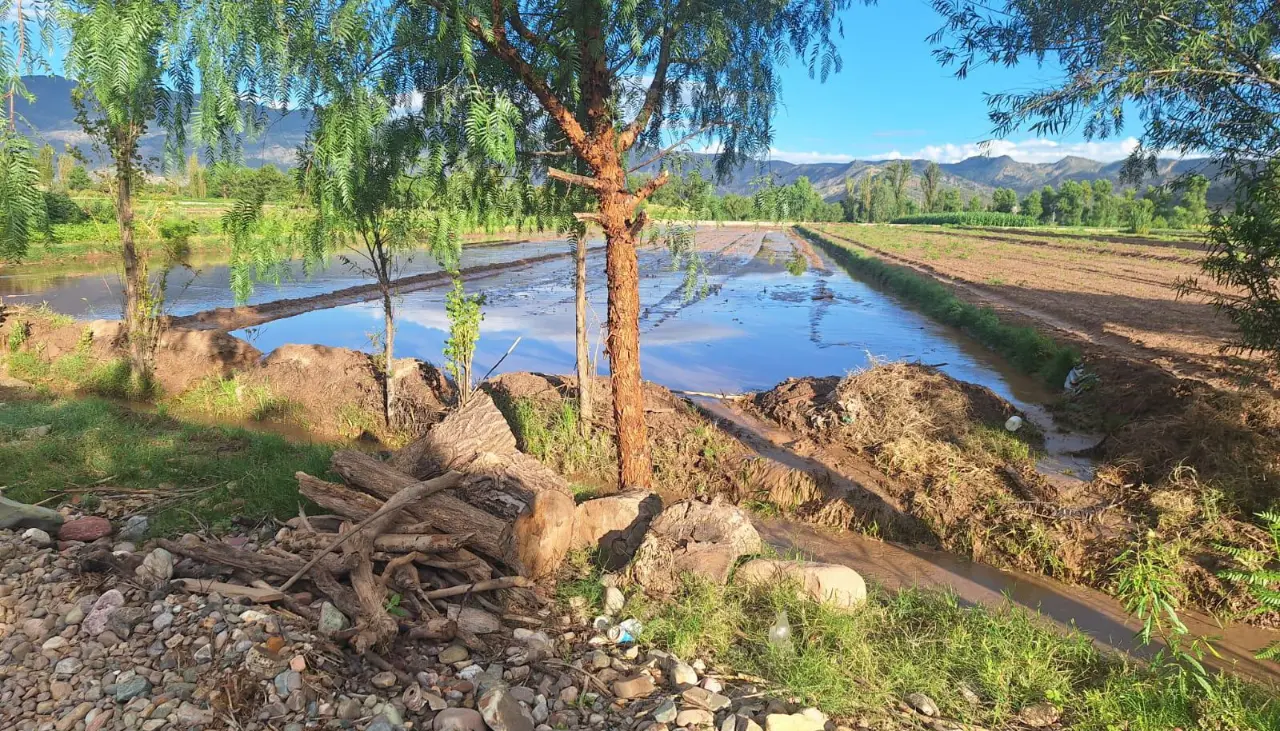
[
  {"x": 15, "y": 515},
  {"x": 636, "y": 686},
  {"x": 453, "y": 654},
  {"x": 68, "y": 666},
  {"x": 923, "y": 704},
  {"x": 501, "y": 712},
  {"x": 134, "y": 529},
  {"x": 85, "y": 530},
  {"x": 692, "y": 717},
  {"x": 132, "y": 688},
  {"x": 156, "y": 568},
  {"x": 704, "y": 698},
  {"x": 38, "y": 537},
  {"x": 458, "y": 719},
  {"x": 837, "y": 585},
  {"x": 331, "y": 619},
  {"x": 665, "y": 712},
  {"x": 792, "y": 722},
  {"x": 682, "y": 675},
  {"x": 95, "y": 623},
  {"x": 380, "y": 723},
  {"x": 192, "y": 715}
]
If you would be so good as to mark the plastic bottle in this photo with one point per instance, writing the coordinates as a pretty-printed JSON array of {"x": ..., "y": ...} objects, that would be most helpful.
[{"x": 780, "y": 632}]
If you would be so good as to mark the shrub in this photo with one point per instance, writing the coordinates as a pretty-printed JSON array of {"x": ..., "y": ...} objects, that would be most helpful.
[
  {"x": 969, "y": 218},
  {"x": 61, "y": 209}
]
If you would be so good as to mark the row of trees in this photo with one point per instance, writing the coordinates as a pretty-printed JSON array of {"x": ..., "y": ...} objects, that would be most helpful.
[
  {"x": 1078, "y": 203},
  {"x": 693, "y": 196}
]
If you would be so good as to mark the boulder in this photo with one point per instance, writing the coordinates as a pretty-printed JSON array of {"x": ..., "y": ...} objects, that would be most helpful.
[
  {"x": 837, "y": 585},
  {"x": 615, "y": 525},
  {"x": 95, "y": 622},
  {"x": 458, "y": 719},
  {"x": 86, "y": 529},
  {"x": 15, "y": 515},
  {"x": 703, "y": 539},
  {"x": 792, "y": 722}
]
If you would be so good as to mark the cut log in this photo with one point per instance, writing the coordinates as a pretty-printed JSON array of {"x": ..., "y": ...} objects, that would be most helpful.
[
  {"x": 436, "y": 629},
  {"x": 204, "y": 586},
  {"x": 542, "y": 534},
  {"x": 478, "y": 427},
  {"x": 505, "y": 582},
  {"x": 490, "y": 534}
]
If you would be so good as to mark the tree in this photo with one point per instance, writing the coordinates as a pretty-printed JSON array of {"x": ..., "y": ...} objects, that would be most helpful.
[
  {"x": 79, "y": 179},
  {"x": 45, "y": 163},
  {"x": 22, "y": 210},
  {"x": 1033, "y": 205},
  {"x": 949, "y": 201},
  {"x": 66, "y": 164},
  {"x": 1195, "y": 190},
  {"x": 1048, "y": 205},
  {"x": 1004, "y": 200},
  {"x": 115, "y": 54},
  {"x": 975, "y": 204},
  {"x": 1069, "y": 203},
  {"x": 1104, "y": 210},
  {"x": 899, "y": 175},
  {"x": 930, "y": 182},
  {"x": 197, "y": 177}
]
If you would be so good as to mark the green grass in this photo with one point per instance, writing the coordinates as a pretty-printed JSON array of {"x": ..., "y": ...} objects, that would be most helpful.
[
  {"x": 1027, "y": 348},
  {"x": 859, "y": 663},
  {"x": 231, "y": 399},
  {"x": 551, "y": 433},
  {"x": 80, "y": 372},
  {"x": 230, "y": 473},
  {"x": 968, "y": 218}
]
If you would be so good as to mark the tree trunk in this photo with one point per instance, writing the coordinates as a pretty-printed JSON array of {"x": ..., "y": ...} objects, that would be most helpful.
[
  {"x": 585, "y": 376},
  {"x": 623, "y": 276},
  {"x": 135, "y": 268},
  {"x": 389, "y": 370}
]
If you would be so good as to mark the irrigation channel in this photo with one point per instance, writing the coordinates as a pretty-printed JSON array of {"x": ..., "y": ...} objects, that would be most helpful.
[{"x": 761, "y": 307}]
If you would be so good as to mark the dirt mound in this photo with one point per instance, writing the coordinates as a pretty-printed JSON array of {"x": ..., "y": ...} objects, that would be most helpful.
[{"x": 185, "y": 357}]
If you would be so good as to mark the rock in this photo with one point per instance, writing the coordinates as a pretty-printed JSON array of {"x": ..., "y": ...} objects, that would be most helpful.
[
  {"x": 68, "y": 666},
  {"x": 665, "y": 712},
  {"x": 124, "y": 619},
  {"x": 53, "y": 644},
  {"x": 289, "y": 682},
  {"x": 614, "y": 525},
  {"x": 59, "y": 689},
  {"x": 35, "y": 432},
  {"x": 838, "y": 585},
  {"x": 331, "y": 620},
  {"x": 703, "y": 539},
  {"x": 380, "y": 723},
  {"x": 298, "y": 663},
  {"x": 614, "y": 600},
  {"x": 38, "y": 537},
  {"x": 383, "y": 680},
  {"x": 682, "y": 675},
  {"x": 349, "y": 709},
  {"x": 636, "y": 686},
  {"x": 156, "y": 568},
  {"x": 68, "y": 722},
  {"x": 189, "y": 714},
  {"x": 16, "y": 516},
  {"x": 162, "y": 621},
  {"x": 501, "y": 712},
  {"x": 453, "y": 654},
  {"x": 134, "y": 529},
  {"x": 791, "y": 722},
  {"x": 95, "y": 623},
  {"x": 86, "y": 530},
  {"x": 569, "y": 696},
  {"x": 704, "y": 698},
  {"x": 923, "y": 704},
  {"x": 1039, "y": 715},
  {"x": 132, "y": 688},
  {"x": 695, "y": 717},
  {"x": 458, "y": 719}
]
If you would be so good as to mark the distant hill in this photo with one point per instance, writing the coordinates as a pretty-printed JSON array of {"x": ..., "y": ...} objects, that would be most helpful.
[{"x": 51, "y": 118}]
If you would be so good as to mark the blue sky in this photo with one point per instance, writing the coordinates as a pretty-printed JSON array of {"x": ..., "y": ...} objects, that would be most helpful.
[{"x": 893, "y": 99}]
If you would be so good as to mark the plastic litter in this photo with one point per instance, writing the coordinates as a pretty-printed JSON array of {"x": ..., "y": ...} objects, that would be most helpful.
[
  {"x": 780, "y": 633},
  {"x": 625, "y": 632},
  {"x": 1013, "y": 423}
]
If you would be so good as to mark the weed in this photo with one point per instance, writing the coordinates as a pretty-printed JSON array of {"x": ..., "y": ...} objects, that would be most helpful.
[
  {"x": 1257, "y": 574},
  {"x": 354, "y": 420},
  {"x": 232, "y": 399},
  {"x": 551, "y": 433},
  {"x": 797, "y": 264},
  {"x": 18, "y": 335}
]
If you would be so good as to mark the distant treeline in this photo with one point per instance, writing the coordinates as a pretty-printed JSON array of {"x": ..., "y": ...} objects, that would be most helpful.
[{"x": 694, "y": 197}]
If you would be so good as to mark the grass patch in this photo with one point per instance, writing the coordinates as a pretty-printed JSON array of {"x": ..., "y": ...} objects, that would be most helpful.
[
  {"x": 79, "y": 372},
  {"x": 969, "y": 218},
  {"x": 93, "y": 441},
  {"x": 858, "y": 664},
  {"x": 1027, "y": 348},
  {"x": 234, "y": 400},
  {"x": 551, "y": 433}
]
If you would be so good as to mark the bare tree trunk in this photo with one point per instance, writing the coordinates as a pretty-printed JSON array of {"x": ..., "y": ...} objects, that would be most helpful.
[
  {"x": 389, "y": 370},
  {"x": 585, "y": 375},
  {"x": 135, "y": 267},
  {"x": 623, "y": 277}
]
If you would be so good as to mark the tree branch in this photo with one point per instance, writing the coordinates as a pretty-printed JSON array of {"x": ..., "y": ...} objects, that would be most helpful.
[
  {"x": 575, "y": 179},
  {"x": 652, "y": 186},
  {"x": 663, "y": 153},
  {"x": 653, "y": 96}
]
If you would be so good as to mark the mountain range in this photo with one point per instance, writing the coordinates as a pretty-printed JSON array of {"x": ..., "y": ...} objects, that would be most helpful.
[{"x": 51, "y": 118}]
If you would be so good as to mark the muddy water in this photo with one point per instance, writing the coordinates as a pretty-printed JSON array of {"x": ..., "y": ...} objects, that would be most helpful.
[
  {"x": 90, "y": 294},
  {"x": 1096, "y": 614}
]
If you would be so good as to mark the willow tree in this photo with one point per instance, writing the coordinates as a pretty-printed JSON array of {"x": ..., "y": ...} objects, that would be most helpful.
[
  {"x": 22, "y": 208},
  {"x": 117, "y": 53},
  {"x": 931, "y": 186}
]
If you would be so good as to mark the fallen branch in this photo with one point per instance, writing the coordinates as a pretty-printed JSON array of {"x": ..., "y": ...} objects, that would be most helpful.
[{"x": 505, "y": 582}]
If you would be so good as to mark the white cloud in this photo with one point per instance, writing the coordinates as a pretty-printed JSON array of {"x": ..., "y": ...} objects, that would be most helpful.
[
  {"x": 1030, "y": 150},
  {"x": 804, "y": 158}
]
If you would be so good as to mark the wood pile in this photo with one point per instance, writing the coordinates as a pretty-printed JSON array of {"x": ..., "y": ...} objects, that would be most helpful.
[{"x": 460, "y": 514}]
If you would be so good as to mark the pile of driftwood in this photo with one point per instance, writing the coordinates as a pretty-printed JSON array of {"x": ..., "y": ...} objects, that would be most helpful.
[{"x": 460, "y": 514}]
